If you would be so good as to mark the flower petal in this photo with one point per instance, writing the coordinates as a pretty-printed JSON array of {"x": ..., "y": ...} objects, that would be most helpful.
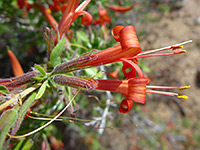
[
  {"x": 128, "y": 47},
  {"x": 16, "y": 67},
  {"x": 131, "y": 73},
  {"x": 115, "y": 32},
  {"x": 86, "y": 19},
  {"x": 137, "y": 89},
  {"x": 120, "y": 9},
  {"x": 125, "y": 106}
]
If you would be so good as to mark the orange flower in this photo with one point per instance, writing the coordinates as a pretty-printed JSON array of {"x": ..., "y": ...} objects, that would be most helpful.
[
  {"x": 120, "y": 9},
  {"x": 24, "y": 4},
  {"x": 103, "y": 20},
  {"x": 53, "y": 23},
  {"x": 55, "y": 6},
  {"x": 133, "y": 88},
  {"x": 16, "y": 67},
  {"x": 103, "y": 17},
  {"x": 72, "y": 11},
  {"x": 115, "y": 73},
  {"x": 129, "y": 47},
  {"x": 125, "y": 106}
]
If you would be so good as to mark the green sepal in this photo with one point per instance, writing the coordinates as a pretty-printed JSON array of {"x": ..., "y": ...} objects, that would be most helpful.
[
  {"x": 40, "y": 69},
  {"x": 41, "y": 90}
]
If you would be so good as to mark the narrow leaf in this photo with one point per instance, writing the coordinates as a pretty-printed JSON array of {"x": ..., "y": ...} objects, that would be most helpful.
[
  {"x": 40, "y": 69},
  {"x": 56, "y": 52},
  {"x": 3, "y": 89},
  {"x": 7, "y": 119},
  {"x": 24, "y": 144},
  {"x": 19, "y": 145},
  {"x": 27, "y": 145},
  {"x": 41, "y": 90},
  {"x": 23, "y": 110}
]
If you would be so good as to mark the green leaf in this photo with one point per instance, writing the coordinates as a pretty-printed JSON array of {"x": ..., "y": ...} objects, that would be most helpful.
[
  {"x": 40, "y": 69},
  {"x": 7, "y": 119},
  {"x": 24, "y": 144},
  {"x": 41, "y": 90},
  {"x": 23, "y": 110},
  {"x": 93, "y": 72},
  {"x": 27, "y": 145},
  {"x": 56, "y": 52},
  {"x": 82, "y": 37},
  {"x": 3, "y": 89},
  {"x": 19, "y": 145}
]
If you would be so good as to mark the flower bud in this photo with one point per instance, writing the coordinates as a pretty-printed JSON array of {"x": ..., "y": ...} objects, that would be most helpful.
[{"x": 80, "y": 83}]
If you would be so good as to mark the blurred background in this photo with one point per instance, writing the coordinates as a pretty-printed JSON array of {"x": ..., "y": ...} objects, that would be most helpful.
[{"x": 163, "y": 122}]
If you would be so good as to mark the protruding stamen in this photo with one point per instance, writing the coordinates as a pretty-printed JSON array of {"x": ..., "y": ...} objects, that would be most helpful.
[
  {"x": 168, "y": 87},
  {"x": 176, "y": 47},
  {"x": 162, "y": 92},
  {"x": 161, "y": 87},
  {"x": 167, "y": 93},
  {"x": 179, "y": 51},
  {"x": 182, "y": 96},
  {"x": 173, "y": 47},
  {"x": 184, "y": 87}
]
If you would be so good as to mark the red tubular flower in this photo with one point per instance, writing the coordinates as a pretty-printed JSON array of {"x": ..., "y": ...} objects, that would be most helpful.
[
  {"x": 128, "y": 47},
  {"x": 120, "y": 9},
  {"x": 103, "y": 17},
  {"x": 69, "y": 33},
  {"x": 63, "y": 8},
  {"x": 21, "y": 3},
  {"x": 71, "y": 12},
  {"x": 103, "y": 20},
  {"x": 137, "y": 89},
  {"x": 133, "y": 89},
  {"x": 16, "y": 67},
  {"x": 53, "y": 23},
  {"x": 115, "y": 74},
  {"x": 24, "y": 4},
  {"x": 55, "y": 6}
]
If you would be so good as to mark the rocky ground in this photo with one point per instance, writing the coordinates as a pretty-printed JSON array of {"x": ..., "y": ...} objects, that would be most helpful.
[{"x": 175, "y": 122}]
